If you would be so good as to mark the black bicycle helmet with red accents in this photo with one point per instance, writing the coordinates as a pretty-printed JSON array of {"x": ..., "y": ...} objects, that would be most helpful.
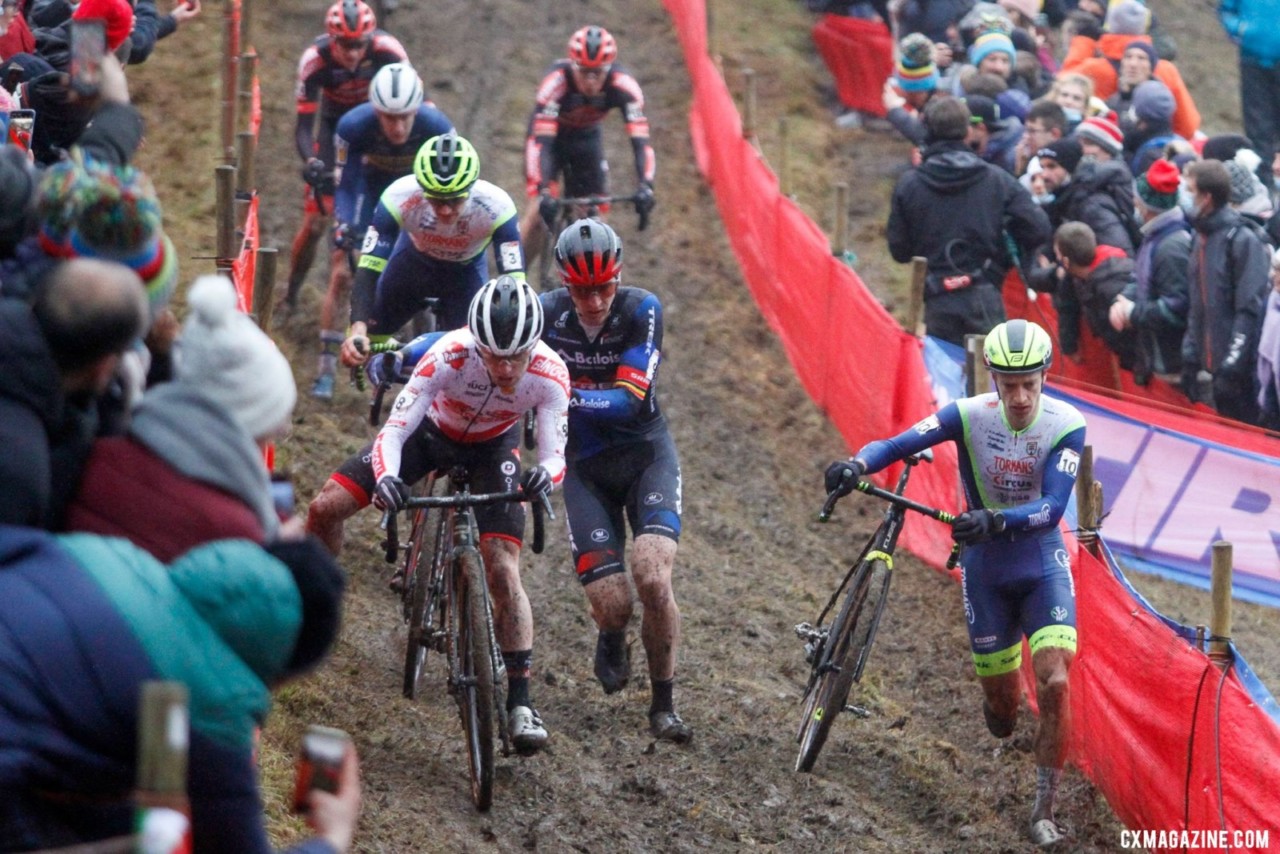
[
  {"x": 589, "y": 254},
  {"x": 350, "y": 19},
  {"x": 592, "y": 47}
]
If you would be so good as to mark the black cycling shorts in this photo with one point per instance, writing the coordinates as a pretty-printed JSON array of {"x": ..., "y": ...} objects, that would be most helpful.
[
  {"x": 642, "y": 479},
  {"x": 580, "y": 159},
  {"x": 494, "y": 467}
]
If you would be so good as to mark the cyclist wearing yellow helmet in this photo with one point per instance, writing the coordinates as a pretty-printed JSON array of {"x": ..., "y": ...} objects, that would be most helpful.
[
  {"x": 1019, "y": 450},
  {"x": 428, "y": 239}
]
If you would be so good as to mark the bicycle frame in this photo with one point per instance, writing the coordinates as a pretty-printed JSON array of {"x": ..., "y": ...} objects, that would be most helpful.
[
  {"x": 838, "y": 652},
  {"x": 441, "y": 617}
]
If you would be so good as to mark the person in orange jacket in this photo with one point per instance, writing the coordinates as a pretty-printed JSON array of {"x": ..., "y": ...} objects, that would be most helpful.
[{"x": 1098, "y": 56}]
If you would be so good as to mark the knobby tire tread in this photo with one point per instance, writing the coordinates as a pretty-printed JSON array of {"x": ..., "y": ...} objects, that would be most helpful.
[
  {"x": 420, "y": 558},
  {"x": 849, "y": 636},
  {"x": 475, "y": 697}
]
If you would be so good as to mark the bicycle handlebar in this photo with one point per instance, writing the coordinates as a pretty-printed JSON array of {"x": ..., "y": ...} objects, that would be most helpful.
[{"x": 541, "y": 512}]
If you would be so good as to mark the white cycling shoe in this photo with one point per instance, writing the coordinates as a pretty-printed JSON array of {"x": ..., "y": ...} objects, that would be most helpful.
[{"x": 528, "y": 735}]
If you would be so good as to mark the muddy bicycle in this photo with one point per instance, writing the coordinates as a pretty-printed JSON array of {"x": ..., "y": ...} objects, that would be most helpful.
[
  {"x": 838, "y": 652},
  {"x": 559, "y": 214},
  {"x": 446, "y": 605}
]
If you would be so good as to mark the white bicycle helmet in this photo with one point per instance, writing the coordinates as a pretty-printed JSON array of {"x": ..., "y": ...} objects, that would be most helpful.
[
  {"x": 396, "y": 89},
  {"x": 505, "y": 317}
]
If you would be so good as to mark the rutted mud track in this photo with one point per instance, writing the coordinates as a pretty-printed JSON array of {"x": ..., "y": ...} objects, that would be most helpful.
[{"x": 918, "y": 774}]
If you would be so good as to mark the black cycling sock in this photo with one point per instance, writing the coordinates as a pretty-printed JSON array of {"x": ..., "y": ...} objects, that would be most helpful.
[
  {"x": 663, "y": 699},
  {"x": 518, "y": 665}
]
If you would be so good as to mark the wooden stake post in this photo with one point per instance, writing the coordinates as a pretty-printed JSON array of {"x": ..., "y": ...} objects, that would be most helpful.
[
  {"x": 915, "y": 304},
  {"x": 225, "y": 214},
  {"x": 230, "y": 74},
  {"x": 749, "y": 104},
  {"x": 1220, "y": 620},
  {"x": 264, "y": 286},
  {"x": 840, "y": 237},
  {"x": 977, "y": 378}
]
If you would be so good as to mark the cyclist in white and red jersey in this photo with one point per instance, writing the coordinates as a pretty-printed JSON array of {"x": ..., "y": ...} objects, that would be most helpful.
[
  {"x": 459, "y": 407},
  {"x": 334, "y": 75},
  {"x": 564, "y": 137}
]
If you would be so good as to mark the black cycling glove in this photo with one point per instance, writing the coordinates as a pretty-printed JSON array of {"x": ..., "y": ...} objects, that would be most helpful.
[
  {"x": 842, "y": 475},
  {"x": 391, "y": 493},
  {"x": 536, "y": 482},
  {"x": 976, "y": 525}
]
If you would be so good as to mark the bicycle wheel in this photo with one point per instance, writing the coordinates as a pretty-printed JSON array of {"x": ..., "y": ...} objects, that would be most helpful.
[
  {"x": 475, "y": 691},
  {"x": 846, "y": 647},
  {"x": 422, "y": 563}
]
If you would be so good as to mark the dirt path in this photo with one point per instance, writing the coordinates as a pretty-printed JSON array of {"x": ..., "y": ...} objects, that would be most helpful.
[{"x": 918, "y": 774}]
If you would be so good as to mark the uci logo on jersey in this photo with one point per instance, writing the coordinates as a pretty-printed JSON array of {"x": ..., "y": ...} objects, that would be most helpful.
[{"x": 653, "y": 498}]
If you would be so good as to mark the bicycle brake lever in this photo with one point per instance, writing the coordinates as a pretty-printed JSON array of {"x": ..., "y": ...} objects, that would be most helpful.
[
  {"x": 824, "y": 515},
  {"x": 545, "y": 500}
]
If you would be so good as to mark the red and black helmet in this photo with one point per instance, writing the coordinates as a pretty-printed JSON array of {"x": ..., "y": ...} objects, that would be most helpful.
[
  {"x": 589, "y": 254},
  {"x": 592, "y": 47},
  {"x": 350, "y": 19}
]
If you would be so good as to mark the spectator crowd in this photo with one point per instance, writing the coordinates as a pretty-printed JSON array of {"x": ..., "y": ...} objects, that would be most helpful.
[
  {"x": 1057, "y": 139},
  {"x": 133, "y": 546}
]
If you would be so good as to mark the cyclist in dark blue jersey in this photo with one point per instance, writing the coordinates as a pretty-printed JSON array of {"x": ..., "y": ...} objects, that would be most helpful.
[
  {"x": 622, "y": 462},
  {"x": 334, "y": 74},
  {"x": 1019, "y": 452},
  {"x": 375, "y": 144}
]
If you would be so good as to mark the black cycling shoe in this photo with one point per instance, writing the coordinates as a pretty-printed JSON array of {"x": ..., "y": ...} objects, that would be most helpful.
[
  {"x": 667, "y": 726},
  {"x": 397, "y": 582},
  {"x": 613, "y": 661}
]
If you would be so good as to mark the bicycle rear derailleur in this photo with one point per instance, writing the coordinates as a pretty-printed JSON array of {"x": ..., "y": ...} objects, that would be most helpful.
[{"x": 813, "y": 639}]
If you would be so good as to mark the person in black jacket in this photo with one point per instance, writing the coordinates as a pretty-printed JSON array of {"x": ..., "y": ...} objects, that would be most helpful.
[
  {"x": 1096, "y": 276},
  {"x": 56, "y": 356},
  {"x": 1155, "y": 305},
  {"x": 956, "y": 210},
  {"x": 1228, "y": 284}
]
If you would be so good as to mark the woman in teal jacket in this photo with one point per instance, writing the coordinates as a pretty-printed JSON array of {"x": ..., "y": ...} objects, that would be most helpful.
[{"x": 85, "y": 620}]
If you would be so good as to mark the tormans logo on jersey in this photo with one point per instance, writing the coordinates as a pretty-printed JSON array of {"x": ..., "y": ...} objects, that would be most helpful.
[{"x": 1014, "y": 475}]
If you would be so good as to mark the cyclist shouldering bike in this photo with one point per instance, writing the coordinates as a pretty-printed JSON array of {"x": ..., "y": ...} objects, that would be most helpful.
[{"x": 1019, "y": 450}]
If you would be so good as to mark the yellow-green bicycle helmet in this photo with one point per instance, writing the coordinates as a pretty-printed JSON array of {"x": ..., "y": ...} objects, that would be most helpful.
[
  {"x": 446, "y": 166},
  {"x": 1018, "y": 347}
]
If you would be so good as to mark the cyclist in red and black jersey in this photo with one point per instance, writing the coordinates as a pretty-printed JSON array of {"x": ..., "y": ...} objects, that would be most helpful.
[
  {"x": 564, "y": 137},
  {"x": 333, "y": 76}
]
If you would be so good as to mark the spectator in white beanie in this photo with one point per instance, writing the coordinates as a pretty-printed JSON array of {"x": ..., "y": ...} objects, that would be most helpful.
[{"x": 191, "y": 467}]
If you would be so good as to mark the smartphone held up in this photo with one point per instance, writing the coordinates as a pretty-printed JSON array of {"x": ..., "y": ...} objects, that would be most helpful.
[{"x": 88, "y": 49}]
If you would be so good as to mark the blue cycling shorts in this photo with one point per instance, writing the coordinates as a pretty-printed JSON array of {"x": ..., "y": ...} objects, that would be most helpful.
[{"x": 1014, "y": 590}]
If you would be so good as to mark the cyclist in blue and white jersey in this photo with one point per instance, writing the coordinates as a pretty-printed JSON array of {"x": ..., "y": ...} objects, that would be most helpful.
[
  {"x": 334, "y": 74},
  {"x": 622, "y": 465},
  {"x": 375, "y": 143},
  {"x": 1019, "y": 451},
  {"x": 428, "y": 239}
]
